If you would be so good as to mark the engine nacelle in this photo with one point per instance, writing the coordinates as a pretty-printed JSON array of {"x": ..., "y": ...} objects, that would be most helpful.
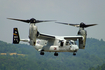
[
  {"x": 32, "y": 34},
  {"x": 82, "y": 42},
  {"x": 32, "y": 43}
]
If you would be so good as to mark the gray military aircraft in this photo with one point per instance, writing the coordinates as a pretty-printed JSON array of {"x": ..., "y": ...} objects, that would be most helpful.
[{"x": 50, "y": 43}]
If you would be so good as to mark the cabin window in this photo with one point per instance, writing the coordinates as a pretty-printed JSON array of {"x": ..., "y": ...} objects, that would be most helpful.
[{"x": 61, "y": 43}]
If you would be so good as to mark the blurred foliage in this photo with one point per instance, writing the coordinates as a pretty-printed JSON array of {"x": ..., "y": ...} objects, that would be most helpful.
[{"x": 86, "y": 59}]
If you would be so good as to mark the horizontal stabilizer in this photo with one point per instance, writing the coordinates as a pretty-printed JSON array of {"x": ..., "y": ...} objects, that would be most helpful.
[{"x": 25, "y": 40}]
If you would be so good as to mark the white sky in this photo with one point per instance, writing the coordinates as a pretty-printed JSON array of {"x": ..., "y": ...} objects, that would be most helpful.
[{"x": 71, "y": 11}]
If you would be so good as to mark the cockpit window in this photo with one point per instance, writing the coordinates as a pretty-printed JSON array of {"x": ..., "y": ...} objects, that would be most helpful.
[
  {"x": 67, "y": 42},
  {"x": 73, "y": 42}
]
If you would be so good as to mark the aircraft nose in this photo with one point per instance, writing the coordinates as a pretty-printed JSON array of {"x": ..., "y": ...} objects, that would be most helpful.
[{"x": 76, "y": 47}]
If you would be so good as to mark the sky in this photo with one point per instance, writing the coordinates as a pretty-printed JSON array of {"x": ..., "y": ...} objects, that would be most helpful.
[{"x": 69, "y": 11}]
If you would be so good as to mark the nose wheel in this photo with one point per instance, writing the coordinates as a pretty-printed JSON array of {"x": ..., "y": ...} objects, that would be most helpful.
[
  {"x": 74, "y": 53},
  {"x": 55, "y": 54}
]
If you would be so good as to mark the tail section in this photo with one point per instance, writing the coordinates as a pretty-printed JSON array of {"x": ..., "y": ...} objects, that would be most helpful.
[{"x": 16, "y": 38}]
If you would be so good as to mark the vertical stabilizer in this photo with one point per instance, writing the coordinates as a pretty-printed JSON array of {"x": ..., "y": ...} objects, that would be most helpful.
[{"x": 16, "y": 38}]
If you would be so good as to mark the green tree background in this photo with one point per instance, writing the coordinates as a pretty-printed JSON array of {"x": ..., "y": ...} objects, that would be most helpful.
[{"x": 90, "y": 58}]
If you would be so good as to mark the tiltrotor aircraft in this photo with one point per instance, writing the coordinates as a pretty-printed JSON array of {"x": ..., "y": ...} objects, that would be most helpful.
[{"x": 50, "y": 43}]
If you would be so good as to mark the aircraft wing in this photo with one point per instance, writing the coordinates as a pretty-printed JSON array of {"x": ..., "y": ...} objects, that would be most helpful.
[
  {"x": 45, "y": 37},
  {"x": 50, "y": 37},
  {"x": 73, "y": 37}
]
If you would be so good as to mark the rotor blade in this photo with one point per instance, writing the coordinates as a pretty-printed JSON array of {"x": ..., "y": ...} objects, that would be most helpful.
[
  {"x": 38, "y": 21},
  {"x": 27, "y": 21},
  {"x": 90, "y": 25},
  {"x": 76, "y": 25}
]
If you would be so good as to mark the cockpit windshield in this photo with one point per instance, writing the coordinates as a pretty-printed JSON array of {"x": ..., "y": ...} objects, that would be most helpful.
[
  {"x": 72, "y": 42},
  {"x": 67, "y": 42}
]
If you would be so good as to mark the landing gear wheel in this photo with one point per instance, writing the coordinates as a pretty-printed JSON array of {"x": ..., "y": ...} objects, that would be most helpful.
[
  {"x": 74, "y": 53},
  {"x": 55, "y": 54},
  {"x": 41, "y": 53}
]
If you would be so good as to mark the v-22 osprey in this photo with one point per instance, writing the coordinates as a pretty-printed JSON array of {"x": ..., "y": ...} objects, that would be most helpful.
[{"x": 50, "y": 43}]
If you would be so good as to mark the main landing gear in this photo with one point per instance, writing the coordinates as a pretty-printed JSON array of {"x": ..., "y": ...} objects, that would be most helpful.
[
  {"x": 55, "y": 54},
  {"x": 41, "y": 53}
]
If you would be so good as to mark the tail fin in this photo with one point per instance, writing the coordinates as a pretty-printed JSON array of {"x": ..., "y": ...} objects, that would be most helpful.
[{"x": 16, "y": 38}]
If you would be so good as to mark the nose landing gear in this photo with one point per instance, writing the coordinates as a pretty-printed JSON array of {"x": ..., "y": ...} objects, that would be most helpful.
[{"x": 74, "y": 53}]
